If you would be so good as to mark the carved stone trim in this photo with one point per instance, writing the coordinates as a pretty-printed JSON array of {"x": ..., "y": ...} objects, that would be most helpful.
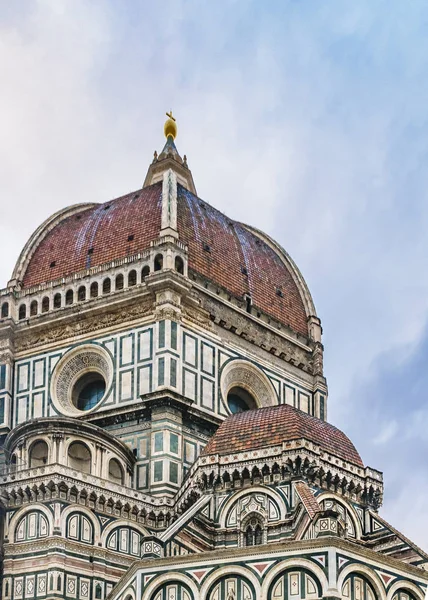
[
  {"x": 88, "y": 358},
  {"x": 241, "y": 373},
  {"x": 50, "y": 335}
]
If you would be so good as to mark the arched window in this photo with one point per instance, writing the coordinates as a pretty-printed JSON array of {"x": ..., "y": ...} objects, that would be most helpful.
[
  {"x": 45, "y": 304},
  {"x": 346, "y": 518},
  {"x": 22, "y": 313},
  {"x": 258, "y": 535},
  {"x": 80, "y": 528},
  {"x": 98, "y": 592},
  {"x": 239, "y": 400},
  {"x": 79, "y": 457},
  {"x": 115, "y": 471},
  {"x": 81, "y": 293},
  {"x": 233, "y": 587},
  {"x": 175, "y": 589},
  {"x": 119, "y": 282},
  {"x": 356, "y": 587},
  {"x": 132, "y": 278},
  {"x": 299, "y": 583},
  {"x": 94, "y": 289},
  {"x": 57, "y": 301},
  {"x": 34, "y": 525},
  {"x": 253, "y": 532},
  {"x": 145, "y": 272},
  {"x": 4, "y": 310},
  {"x": 69, "y": 297},
  {"x": 403, "y": 595},
  {"x": 158, "y": 262},
  {"x": 125, "y": 540},
  {"x": 13, "y": 463},
  {"x": 107, "y": 286},
  {"x": 38, "y": 454},
  {"x": 179, "y": 265},
  {"x": 34, "y": 308}
]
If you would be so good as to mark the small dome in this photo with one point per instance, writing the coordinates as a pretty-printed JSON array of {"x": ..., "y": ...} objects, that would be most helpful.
[{"x": 264, "y": 427}]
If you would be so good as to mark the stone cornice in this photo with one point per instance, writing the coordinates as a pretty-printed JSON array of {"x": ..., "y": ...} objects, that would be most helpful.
[
  {"x": 64, "y": 425},
  {"x": 83, "y": 324},
  {"x": 29, "y": 484},
  {"x": 296, "y": 339},
  {"x": 296, "y": 458},
  {"x": 274, "y": 551},
  {"x": 61, "y": 545}
]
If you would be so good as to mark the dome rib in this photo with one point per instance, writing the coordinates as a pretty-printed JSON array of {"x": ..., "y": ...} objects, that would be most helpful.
[{"x": 235, "y": 257}]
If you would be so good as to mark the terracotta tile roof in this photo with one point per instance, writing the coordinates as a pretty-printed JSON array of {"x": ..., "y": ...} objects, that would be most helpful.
[
  {"x": 264, "y": 427},
  {"x": 307, "y": 497},
  {"x": 221, "y": 250},
  {"x": 239, "y": 261},
  {"x": 105, "y": 229}
]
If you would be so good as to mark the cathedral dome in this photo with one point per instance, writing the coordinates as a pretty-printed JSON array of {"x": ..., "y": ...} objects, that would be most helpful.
[
  {"x": 240, "y": 260},
  {"x": 264, "y": 427}
]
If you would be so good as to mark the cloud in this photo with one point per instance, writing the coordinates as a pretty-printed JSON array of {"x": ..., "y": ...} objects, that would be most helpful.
[
  {"x": 49, "y": 114},
  {"x": 390, "y": 415},
  {"x": 387, "y": 433},
  {"x": 306, "y": 119}
]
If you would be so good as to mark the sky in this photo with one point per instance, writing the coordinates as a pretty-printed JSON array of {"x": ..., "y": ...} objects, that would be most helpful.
[{"x": 307, "y": 119}]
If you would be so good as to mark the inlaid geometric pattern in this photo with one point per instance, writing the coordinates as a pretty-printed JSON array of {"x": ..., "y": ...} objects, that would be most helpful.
[
  {"x": 357, "y": 588},
  {"x": 295, "y": 585},
  {"x": 232, "y": 588},
  {"x": 173, "y": 591}
]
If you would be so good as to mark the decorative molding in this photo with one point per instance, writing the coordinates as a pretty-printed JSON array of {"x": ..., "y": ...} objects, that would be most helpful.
[
  {"x": 258, "y": 333},
  {"x": 85, "y": 359},
  {"x": 169, "y": 201},
  {"x": 245, "y": 374},
  {"x": 50, "y": 335}
]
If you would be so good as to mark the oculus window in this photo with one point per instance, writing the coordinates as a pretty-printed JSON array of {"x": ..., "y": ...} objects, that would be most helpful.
[
  {"x": 240, "y": 400},
  {"x": 88, "y": 391}
]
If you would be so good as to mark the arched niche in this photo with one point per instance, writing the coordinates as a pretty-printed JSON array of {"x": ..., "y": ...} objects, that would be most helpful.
[
  {"x": 231, "y": 579},
  {"x": 38, "y": 454},
  {"x": 79, "y": 457},
  {"x": 115, "y": 471}
]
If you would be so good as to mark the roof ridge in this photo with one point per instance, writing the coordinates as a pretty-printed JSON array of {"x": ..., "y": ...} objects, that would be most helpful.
[{"x": 399, "y": 534}]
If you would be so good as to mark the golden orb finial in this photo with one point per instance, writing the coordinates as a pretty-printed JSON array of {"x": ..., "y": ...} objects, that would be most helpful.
[{"x": 170, "y": 127}]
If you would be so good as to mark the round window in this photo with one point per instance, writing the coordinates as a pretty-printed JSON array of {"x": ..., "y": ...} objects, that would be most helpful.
[
  {"x": 81, "y": 380},
  {"x": 88, "y": 391},
  {"x": 244, "y": 386},
  {"x": 240, "y": 400}
]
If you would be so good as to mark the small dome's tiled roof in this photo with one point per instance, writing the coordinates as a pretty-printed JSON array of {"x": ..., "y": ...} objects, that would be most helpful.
[
  {"x": 223, "y": 251},
  {"x": 264, "y": 427}
]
